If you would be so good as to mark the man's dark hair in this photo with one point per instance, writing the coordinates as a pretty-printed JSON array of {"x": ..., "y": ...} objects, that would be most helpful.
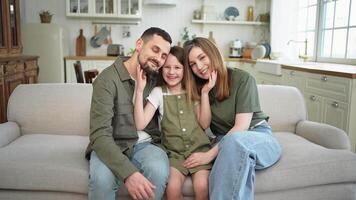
[{"x": 148, "y": 34}]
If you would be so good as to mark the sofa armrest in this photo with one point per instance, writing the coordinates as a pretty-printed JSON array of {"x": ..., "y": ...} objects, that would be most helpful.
[
  {"x": 9, "y": 131},
  {"x": 323, "y": 134}
]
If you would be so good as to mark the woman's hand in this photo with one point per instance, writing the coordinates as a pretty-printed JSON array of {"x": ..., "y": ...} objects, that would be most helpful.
[
  {"x": 197, "y": 159},
  {"x": 211, "y": 83},
  {"x": 141, "y": 79}
]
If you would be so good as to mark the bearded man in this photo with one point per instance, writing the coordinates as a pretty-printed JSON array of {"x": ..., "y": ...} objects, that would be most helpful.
[{"x": 119, "y": 154}]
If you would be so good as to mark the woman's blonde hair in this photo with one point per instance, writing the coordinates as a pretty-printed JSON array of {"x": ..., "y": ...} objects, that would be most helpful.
[
  {"x": 216, "y": 63},
  {"x": 188, "y": 83}
]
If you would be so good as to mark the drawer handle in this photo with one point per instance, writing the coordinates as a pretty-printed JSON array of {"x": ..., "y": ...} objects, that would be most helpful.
[
  {"x": 312, "y": 97},
  {"x": 292, "y": 73},
  {"x": 335, "y": 104},
  {"x": 324, "y": 78}
]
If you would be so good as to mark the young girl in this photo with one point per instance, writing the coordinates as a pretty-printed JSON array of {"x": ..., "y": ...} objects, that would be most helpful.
[{"x": 181, "y": 127}]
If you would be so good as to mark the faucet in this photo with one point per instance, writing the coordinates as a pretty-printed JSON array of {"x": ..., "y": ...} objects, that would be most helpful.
[{"x": 305, "y": 55}]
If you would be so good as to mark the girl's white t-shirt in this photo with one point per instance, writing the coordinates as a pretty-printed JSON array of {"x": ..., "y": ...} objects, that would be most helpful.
[{"x": 156, "y": 99}]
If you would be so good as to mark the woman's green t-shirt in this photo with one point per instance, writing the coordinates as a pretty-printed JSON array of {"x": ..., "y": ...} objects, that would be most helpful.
[{"x": 243, "y": 98}]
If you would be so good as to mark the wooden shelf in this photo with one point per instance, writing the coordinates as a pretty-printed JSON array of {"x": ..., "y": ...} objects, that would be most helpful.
[{"x": 228, "y": 22}]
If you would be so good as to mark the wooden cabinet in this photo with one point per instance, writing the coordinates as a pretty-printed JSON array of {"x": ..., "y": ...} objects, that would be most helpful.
[
  {"x": 15, "y": 70},
  {"x": 124, "y": 9},
  {"x": 10, "y": 38}
]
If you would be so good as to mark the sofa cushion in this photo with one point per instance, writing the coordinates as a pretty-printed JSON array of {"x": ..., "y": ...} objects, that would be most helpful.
[
  {"x": 304, "y": 164},
  {"x": 45, "y": 162},
  {"x": 58, "y": 108},
  {"x": 57, "y": 163}
]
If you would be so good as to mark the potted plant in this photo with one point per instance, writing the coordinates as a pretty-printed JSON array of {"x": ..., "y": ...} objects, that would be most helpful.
[
  {"x": 46, "y": 16},
  {"x": 185, "y": 36}
]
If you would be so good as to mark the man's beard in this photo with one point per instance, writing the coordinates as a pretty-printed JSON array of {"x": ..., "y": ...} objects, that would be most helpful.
[{"x": 150, "y": 73}]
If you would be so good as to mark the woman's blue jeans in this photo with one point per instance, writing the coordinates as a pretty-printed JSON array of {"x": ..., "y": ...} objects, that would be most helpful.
[
  {"x": 149, "y": 159},
  {"x": 240, "y": 154}
]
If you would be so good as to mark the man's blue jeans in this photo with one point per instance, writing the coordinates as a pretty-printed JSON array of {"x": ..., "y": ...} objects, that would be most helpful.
[
  {"x": 152, "y": 162},
  {"x": 240, "y": 154}
]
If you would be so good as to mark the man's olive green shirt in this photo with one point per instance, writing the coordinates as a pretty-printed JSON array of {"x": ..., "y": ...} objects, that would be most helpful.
[{"x": 112, "y": 128}]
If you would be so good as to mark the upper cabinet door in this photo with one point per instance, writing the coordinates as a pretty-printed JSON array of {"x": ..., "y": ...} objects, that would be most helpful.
[
  {"x": 79, "y": 8},
  {"x": 3, "y": 28},
  {"x": 14, "y": 22},
  {"x": 124, "y": 9},
  {"x": 105, "y": 8},
  {"x": 130, "y": 8}
]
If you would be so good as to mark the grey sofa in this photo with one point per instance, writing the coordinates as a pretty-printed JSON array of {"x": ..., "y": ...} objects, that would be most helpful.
[{"x": 42, "y": 148}]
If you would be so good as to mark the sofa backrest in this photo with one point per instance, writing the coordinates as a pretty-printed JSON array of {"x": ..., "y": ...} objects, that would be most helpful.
[
  {"x": 65, "y": 108},
  {"x": 61, "y": 109},
  {"x": 284, "y": 105}
]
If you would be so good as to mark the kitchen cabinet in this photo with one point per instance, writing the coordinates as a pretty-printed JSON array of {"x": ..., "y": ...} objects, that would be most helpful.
[
  {"x": 10, "y": 36},
  {"x": 294, "y": 78},
  {"x": 111, "y": 9},
  {"x": 15, "y": 70},
  {"x": 267, "y": 79},
  {"x": 105, "y": 8},
  {"x": 336, "y": 113},
  {"x": 329, "y": 99},
  {"x": 87, "y": 62},
  {"x": 78, "y": 8},
  {"x": 314, "y": 104}
]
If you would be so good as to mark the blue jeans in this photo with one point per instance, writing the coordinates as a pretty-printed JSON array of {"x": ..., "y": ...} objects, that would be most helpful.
[
  {"x": 240, "y": 154},
  {"x": 149, "y": 159}
]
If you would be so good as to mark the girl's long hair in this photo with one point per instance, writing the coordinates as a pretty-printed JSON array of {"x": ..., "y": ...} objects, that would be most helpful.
[{"x": 216, "y": 63}]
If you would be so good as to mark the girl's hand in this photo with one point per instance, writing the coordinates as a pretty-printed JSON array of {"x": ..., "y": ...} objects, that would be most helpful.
[
  {"x": 141, "y": 79},
  {"x": 211, "y": 83},
  {"x": 197, "y": 159}
]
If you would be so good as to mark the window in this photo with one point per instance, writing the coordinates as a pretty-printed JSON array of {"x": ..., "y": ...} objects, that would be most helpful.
[
  {"x": 307, "y": 25},
  {"x": 330, "y": 29}
]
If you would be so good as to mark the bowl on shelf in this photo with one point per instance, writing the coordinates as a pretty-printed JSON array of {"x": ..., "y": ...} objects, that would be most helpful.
[{"x": 231, "y": 13}]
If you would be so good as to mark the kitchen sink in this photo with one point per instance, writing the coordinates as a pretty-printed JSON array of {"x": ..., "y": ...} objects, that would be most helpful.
[{"x": 269, "y": 67}]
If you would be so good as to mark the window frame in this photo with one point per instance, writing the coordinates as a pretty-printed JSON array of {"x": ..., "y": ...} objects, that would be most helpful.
[
  {"x": 318, "y": 31},
  {"x": 318, "y": 35}
]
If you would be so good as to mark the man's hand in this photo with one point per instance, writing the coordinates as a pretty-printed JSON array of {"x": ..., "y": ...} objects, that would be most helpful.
[{"x": 139, "y": 187}]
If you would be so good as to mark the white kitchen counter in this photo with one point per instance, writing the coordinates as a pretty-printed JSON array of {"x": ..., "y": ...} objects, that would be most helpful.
[{"x": 341, "y": 70}]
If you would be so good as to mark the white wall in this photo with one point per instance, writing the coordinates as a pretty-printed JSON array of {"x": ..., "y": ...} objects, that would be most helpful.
[{"x": 172, "y": 19}]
